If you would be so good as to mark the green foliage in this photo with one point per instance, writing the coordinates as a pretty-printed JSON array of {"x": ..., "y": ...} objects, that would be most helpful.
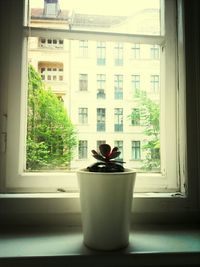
[
  {"x": 51, "y": 135},
  {"x": 150, "y": 117}
]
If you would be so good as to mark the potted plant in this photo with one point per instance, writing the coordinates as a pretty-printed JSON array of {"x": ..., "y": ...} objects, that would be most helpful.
[{"x": 106, "y": 192}]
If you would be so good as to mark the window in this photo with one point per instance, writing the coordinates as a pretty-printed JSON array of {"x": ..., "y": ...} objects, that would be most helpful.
[
  {"x": 119, "y": 144},
  {"x": 101, "y": 119},
  {"x": 51, "y": 8},
  {"x": 136, "y": 152},
  {"x": 118, "y": 86},
  {"x": 154, "y": 52},
  {"x": 51, "y": 43},
  {"x": 154, "y": 83},
  {"x": 51, "y": 72},
  {"x": 135, "y": 81},
  {"x": 101, "y": 53},
  {"x": 101, "y": 40},
  {"x": 135, "y": 117},
  {"x": 83, "y": 48},
  {"x": 170, "y": 183},
  {"x": 83, "y": 82},
  {"x": 83, "y": 115},
  {"x": 101, "y": 81},
  {"x": 118, "y": 54},
  {"x": 135, "y": 51},
  {"x": 118, "y": 120},
  {"x": 82, "y": 149}
]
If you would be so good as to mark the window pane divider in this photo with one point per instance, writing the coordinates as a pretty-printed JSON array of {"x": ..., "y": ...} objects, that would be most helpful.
[{"x": 92, "y": 35}]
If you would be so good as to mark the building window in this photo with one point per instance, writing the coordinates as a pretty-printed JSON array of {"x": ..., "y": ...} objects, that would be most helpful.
[
  {"x": 101, "y": 53},
  {"x": 82, "y": 149},
  {"x": 119, "y": 144},
  {"x": 136, "y": 150},
  {"x": 83, "y": 82},
  {"x": 101, "y": 81},
  {"x": 83, "y": 115},
  {"x": 135, "y": 83},
  {"x": 51, "y": 43},
  {"x": 155, "y": 83},
  {"x": 135, "y": 117},
  {"x": 51, "y": 8},
  {"x": 118, "y": 86},
  {"x": 51, "y": 72},
  {"x": 135, "y": 51},
  {"x": 155, "y": 52},
  {"x": 83, "y": 48},
  {"x": 158, "y": 34},
  {"x": 118, "y": 119},
  {"x": 101, "y": 119},
  {"x": 118, "y": 54}
]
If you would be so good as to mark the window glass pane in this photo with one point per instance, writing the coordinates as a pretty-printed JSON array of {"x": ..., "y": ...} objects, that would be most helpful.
[
  {"x": 124, "y": 107},
  {"x": 138, "y": 17}
]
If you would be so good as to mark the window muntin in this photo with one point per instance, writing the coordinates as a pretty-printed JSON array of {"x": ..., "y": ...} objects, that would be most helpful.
[{"x": 167, "y": 53}]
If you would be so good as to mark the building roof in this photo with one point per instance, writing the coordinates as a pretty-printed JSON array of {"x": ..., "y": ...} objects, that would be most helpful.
[
  {"x": 83, "y": 20},
  {"x": 87, "y": 20},
  {"x": 38, "y": 13}
]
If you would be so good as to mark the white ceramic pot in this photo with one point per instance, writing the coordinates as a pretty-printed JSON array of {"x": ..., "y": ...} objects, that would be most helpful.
[{"x": 106, "y": 200}]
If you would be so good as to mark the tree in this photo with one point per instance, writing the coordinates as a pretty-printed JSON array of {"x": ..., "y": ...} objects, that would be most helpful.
[
  {"x": 51, "y": 135},
  {"x": 150, "y": 116}
]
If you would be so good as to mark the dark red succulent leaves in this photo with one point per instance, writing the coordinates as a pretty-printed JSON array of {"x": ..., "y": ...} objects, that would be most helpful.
[
  {"x": 106, "y": 162},
  {"x": 106, "y": 154}
]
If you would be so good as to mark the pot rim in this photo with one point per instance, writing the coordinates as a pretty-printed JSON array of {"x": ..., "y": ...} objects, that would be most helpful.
[{"x": 126, "y": 171}]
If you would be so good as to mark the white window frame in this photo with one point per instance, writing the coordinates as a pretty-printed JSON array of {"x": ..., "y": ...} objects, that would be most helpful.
[
  {"x": 19, "y": 180},
  {"x": 12, "y": 163}
]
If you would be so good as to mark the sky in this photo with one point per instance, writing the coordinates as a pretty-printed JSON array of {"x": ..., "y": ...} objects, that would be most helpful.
[{"x": 104, "y": 7}]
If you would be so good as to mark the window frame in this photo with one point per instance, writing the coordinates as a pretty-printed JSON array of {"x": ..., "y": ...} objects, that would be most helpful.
[
  {"x": 159, "y": 202},
  {"x": 171, "y": 98}
]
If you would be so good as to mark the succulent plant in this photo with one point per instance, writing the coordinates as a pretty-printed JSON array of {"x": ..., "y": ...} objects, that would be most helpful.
[{"x": 106, "y": 160}]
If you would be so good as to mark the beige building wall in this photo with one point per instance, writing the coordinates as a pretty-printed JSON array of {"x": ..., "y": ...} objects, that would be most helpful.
[{"x": 73, "y": 64}]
